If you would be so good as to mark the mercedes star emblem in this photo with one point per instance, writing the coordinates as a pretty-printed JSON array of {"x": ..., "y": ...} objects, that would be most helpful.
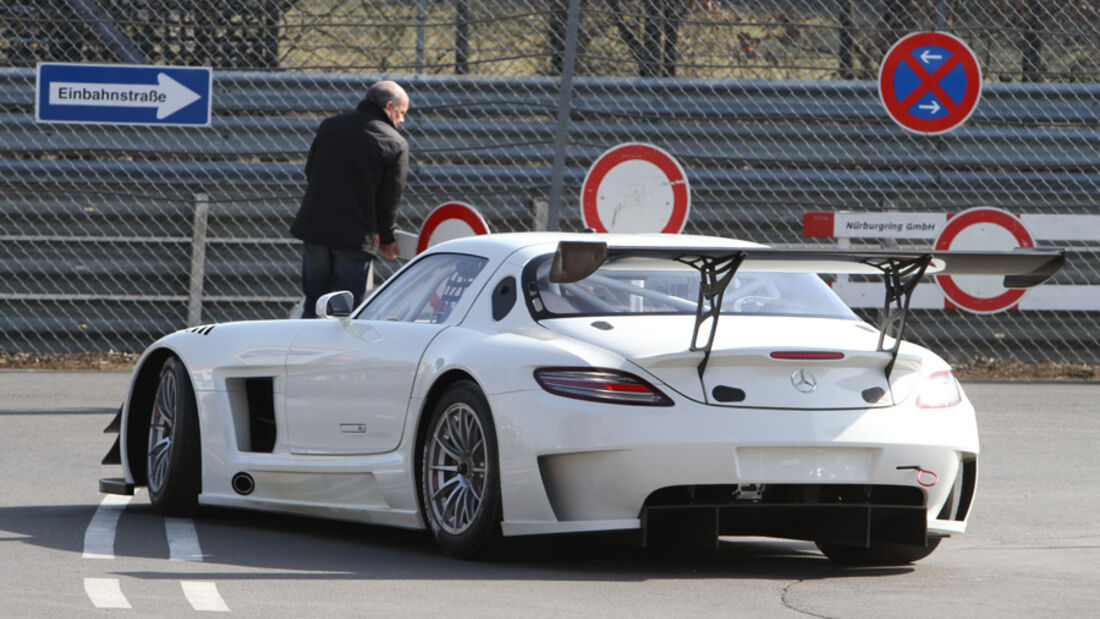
[{"x": 804, "y": 381}]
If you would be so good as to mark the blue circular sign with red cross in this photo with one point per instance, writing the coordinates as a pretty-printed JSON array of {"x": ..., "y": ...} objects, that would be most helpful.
[{"x": 930, "y": 82}]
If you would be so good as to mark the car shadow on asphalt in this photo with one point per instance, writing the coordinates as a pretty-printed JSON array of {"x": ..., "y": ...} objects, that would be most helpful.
[{"x": 303, "y": 548}]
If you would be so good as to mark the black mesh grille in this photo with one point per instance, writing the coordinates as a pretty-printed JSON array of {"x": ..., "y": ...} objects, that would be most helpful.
[{"x": 787, "y": 494}]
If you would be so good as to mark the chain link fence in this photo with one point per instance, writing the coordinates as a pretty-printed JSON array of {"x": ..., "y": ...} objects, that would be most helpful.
[{"x": 113, "y": 235}]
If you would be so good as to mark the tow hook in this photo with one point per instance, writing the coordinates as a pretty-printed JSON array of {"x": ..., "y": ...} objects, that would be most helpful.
[{"x": 925, "y": 477}]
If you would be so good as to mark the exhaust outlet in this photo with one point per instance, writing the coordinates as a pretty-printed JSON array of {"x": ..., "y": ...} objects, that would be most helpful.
[{"x": 243, "y": 484}]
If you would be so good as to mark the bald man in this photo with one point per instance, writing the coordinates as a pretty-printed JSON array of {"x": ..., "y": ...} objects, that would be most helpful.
[{"x": 356, "y": 171}]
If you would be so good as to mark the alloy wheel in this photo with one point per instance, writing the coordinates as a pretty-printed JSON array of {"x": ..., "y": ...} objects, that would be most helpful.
[
  {"x": 457, "y": 468},
  {"x": 162, "y": 424}
]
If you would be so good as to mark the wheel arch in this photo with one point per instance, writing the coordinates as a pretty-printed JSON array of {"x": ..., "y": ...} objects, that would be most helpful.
[{"x": 139, "y": 408}]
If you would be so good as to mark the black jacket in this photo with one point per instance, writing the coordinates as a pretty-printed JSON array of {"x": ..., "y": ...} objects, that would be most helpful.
[{"x": 356, "y": 172}]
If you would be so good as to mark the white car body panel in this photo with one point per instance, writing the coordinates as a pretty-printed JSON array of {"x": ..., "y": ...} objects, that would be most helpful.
[
  {"x": 349, "y": 398},
  {"x": 333, "y": 366},
  {"x": 740, "y": 355}
]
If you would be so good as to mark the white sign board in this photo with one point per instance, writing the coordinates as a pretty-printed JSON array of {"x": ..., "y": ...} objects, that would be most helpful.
[{"x": 634, "y": 188}]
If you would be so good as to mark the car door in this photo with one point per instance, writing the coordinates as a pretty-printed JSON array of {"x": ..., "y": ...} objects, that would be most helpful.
[{"x": 348, "y": 381}]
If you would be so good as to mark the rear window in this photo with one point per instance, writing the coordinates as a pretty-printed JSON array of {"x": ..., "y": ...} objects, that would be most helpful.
[{"x": 630, "y": 286}]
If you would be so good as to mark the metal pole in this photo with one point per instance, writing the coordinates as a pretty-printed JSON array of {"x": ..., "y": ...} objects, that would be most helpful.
[
  {"x": 123, "y": 48},
  {"x": 198, "y": 259},
  {"x": 421, "y": 18},
  {"x": 462, "y": 37},
  {"x": 565, "y": 98},
  {"x": 941, "y": 14}
]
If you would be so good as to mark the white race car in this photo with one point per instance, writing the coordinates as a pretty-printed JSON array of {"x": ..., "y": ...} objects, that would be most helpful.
[{"x": 535, "y": 383}]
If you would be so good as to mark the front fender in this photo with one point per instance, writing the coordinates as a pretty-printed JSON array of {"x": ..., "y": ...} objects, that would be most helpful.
[{"x": 207, "y": 352}]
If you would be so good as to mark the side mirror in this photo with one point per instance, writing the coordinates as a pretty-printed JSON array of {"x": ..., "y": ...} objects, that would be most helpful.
[{"x": 335, "y": 305}]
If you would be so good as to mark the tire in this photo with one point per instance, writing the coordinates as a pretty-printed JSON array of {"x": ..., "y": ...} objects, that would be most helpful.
[
  {"x": 173, "y": 471},
  {"x": 459, "y": 474},
  {"x": 877, "y": 554}
]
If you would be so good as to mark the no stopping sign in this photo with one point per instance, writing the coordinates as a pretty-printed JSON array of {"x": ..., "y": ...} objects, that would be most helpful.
[
  {"x": 982, "y": 228},
  {"x": 930, "y": 82}
]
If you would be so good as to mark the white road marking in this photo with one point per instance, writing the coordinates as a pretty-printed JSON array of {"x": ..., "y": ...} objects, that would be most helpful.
[
  {"x": 183, "y": 545},
  {"x": 105, "y": 593},
  {"x": 203, "y": 596},
  {"x": 99, "y": 537},
  {"x": 183, "y": 541}
]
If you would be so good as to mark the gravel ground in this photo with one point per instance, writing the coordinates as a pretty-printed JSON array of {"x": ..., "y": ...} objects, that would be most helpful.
[{"x": 977, "y": 369}]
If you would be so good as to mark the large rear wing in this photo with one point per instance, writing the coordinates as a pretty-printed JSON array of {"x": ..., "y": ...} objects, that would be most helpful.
[
  {"x": 901, "y": 271},
  {"x": 1021, "y": 268}
]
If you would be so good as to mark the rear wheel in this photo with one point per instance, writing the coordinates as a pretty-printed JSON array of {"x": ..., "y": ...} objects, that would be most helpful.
[
  {"x": 459, "y": 480},
  {"x": 172, "y": 462},
  {"x": 878, "y": 554}
]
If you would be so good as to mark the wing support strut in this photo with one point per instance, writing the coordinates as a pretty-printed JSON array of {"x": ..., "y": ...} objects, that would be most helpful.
[
  {"x": 901, "y": 277},
  {"x": 715, "y": 275}
]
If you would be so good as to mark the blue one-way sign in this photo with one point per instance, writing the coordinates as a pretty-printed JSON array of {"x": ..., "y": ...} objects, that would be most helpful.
[{"x": 123, "y": 94}]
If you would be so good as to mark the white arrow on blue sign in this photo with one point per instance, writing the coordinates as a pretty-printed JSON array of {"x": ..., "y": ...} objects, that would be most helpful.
[{"x": 123, "y": 94}]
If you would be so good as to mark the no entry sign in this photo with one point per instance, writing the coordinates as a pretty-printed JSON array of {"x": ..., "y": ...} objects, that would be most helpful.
[
  {"x": 982, "y": 228},
  {"x": 974, "y": 229},
  {"x": 930, "y": 82},
  {"x": 635, "y": 188},
  {"x": 451, "y": 220}
]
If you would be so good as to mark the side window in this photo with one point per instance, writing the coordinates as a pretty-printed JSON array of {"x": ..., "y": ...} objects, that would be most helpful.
[{"x": 427, "y": 291}]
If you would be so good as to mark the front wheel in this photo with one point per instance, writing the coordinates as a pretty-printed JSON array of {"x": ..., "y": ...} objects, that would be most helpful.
[
  {"x": 878, "y": 554},
  {"x": 460, "y": 481},
  {"x": 172, "y": 461}
]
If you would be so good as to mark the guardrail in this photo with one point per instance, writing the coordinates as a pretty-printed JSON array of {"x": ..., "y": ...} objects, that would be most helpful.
[{"x": 96, "y": 221}]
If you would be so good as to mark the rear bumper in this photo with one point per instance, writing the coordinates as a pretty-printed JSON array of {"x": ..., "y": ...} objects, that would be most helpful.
[{"x": 577, "y": 464}]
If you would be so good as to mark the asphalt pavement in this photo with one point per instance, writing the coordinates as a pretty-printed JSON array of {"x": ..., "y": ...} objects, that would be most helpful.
[{"x": 1033, "y": 548}]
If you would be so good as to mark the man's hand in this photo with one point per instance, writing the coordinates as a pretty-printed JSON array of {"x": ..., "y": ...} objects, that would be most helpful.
[{"x": 389, "y": 250}]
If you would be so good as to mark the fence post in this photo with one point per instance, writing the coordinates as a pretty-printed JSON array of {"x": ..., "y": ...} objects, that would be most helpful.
[
  {"x": 565, "y": 99},
  {"x": 198, "y": 259},
  {"x": 844, "y": 48},
  {"x": 421, "y": 19},
  {"x": 462, "y": 37}
]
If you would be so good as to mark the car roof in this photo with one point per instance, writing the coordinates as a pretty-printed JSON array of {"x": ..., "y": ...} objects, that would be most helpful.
[{"x": 527, "y": 245}]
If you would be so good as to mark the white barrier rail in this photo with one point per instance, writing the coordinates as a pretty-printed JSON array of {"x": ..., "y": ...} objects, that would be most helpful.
[{"x": 935, "y": 229}]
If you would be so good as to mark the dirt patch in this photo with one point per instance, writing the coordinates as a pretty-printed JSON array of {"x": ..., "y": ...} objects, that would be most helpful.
[
  {"x": 110, "y": 360},
  {"x": 977, "y": 369},
  {"x": 996, "y": 369}
]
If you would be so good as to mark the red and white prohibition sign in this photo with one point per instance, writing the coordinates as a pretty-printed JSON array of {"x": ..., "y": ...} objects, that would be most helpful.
[
  {"x": 635, "y": 187},
  {"x": 930, "y": 82},
  {"x": 982, "y": 228},
  {"x": 451, "y": 220}
]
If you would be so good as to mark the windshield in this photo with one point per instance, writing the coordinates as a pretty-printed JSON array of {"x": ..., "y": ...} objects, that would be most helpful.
[{"x": 655, "y": 286}]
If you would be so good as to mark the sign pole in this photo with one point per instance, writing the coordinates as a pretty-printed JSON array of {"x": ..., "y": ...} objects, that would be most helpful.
[
  {"x": 565, "y": 98},
  {"x": 198, "y": 259}
]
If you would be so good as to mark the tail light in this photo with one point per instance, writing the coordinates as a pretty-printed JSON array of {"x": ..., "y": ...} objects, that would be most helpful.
[
  {"x": 807, "y": 355},
  {"x": 940, "y": 390},
  {"x": 600, "y": 385}
]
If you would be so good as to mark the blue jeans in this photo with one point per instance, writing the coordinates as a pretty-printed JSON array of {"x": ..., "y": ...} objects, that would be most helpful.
[{"x": 325, "y": 270}]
